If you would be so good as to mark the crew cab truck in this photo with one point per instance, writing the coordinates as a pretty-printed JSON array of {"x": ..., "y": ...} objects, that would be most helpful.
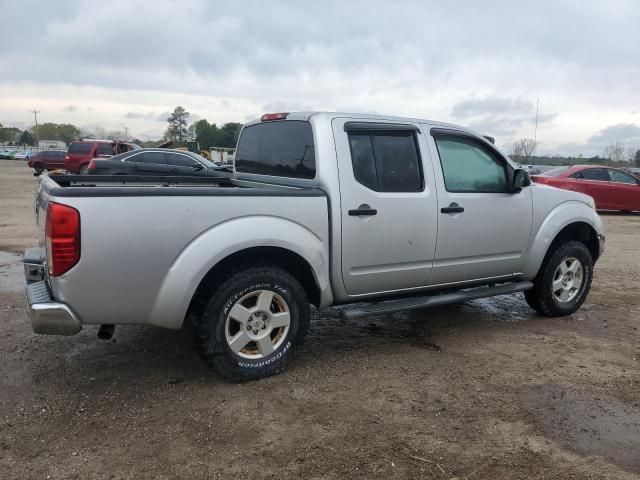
[{"x": 322, "y": 208}]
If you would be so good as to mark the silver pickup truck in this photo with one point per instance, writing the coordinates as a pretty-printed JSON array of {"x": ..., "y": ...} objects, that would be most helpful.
[{"x": 322, "y": 208}]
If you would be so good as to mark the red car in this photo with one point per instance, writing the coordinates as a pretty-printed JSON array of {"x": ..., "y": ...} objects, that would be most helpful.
[
  {"x": 611, "y": 188},
  {"x": 80, "y": 153},
  {"x": 47, "y": 160}
]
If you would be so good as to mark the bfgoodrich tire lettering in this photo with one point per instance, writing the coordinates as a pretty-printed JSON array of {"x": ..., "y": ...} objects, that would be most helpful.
[
  {"x": 251, "y": 323},
  {"x": 546, "y": 295}
]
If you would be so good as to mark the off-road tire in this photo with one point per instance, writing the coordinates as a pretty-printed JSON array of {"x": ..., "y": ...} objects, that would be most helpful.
[
  {"x": 541, "y": 297},
  {"x": 210, "y": 328}
]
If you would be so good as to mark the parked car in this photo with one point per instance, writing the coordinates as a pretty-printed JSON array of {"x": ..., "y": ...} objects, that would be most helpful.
[
  {"x": 80, "y": 153},
  {"x": 155, "y": 161},
  {"x": 22, "y": 155},
  {"x": 47, "y": 160},
  {"x": 323, "y": 209},
  {"x": 611, "y": 188},
  {"x": 7, "y": 154}
]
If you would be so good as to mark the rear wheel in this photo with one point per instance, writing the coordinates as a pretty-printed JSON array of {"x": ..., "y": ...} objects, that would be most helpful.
[
  {"x": 563, "y": 282},
  {"x": 84, "y": 170},
  {"x": 251, "y": 322}
]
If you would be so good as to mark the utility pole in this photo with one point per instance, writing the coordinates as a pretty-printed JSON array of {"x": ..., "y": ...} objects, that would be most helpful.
[
  {"x": 35, "y": 130},
  {"x": 535, "y": 132},
  {"x": 126, "y": 133}
]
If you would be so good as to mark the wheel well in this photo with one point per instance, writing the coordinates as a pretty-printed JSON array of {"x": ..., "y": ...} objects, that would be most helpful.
[
  {"x": 580, "y": 231},
  {"x": 286, "y": 259}
]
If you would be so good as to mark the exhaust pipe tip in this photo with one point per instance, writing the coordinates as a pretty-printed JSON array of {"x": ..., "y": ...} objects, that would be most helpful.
[{"x": 106, "y": 332}]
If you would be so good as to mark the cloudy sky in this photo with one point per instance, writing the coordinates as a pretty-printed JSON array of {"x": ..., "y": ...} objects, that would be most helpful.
[{"x": 118, "y": 63}]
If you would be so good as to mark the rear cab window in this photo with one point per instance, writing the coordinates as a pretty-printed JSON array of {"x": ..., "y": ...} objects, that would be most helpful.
[{"x": 283, "y": 148}]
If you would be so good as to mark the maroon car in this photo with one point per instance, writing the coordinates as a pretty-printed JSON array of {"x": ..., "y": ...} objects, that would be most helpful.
[
  {"x": 611, "y": 188},
  {"x": 47, "y": 160},
  {"x": 80, "y": 153}
]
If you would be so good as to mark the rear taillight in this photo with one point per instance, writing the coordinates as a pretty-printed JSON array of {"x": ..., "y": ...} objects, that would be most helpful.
[
  {"x": 267, "y": 117},
  {"x": 92, "y": 165},
  {"x": 62, "y": 238}
]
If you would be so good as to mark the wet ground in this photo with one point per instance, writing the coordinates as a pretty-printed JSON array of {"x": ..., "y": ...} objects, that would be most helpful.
[{"x": 482, "y": 390}]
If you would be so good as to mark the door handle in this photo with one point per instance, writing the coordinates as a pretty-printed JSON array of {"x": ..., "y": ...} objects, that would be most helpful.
[
  {"x": 363, "y": 210},
  {"x": 452, "y": 208}
]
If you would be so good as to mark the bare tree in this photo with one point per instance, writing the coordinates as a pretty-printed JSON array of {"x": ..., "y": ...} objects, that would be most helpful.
[
  {"x": 524, "y": 149},
  {"x": 614, "y": 151},
  {"x": 631, "y": 152}
]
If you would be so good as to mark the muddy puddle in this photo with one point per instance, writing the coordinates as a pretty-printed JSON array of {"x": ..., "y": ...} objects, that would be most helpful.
[{"x": 588, "y": 423}]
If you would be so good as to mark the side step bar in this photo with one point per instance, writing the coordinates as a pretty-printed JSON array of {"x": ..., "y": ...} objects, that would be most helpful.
[{"x": 415, "y": 303}]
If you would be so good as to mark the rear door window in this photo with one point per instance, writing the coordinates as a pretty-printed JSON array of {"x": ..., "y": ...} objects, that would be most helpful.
[
  {"x": 80, "y": 147},
  {"x": 386, "y": 161},
  {"x": 156, "y": 158},
  {"x": 105, "y": 149},
  {"x": 594, "y": 174},
  {"x": 280, "y": 148}
]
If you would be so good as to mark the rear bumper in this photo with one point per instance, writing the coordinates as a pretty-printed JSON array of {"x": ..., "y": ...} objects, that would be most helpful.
[{"x": 49, "y": 317}]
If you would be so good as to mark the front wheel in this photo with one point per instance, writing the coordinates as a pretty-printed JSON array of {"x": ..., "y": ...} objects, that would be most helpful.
[
  {"x": 84, "y": 170},
  {"x": 252, "y": 321},
  {"x": 563, "y": 282}
]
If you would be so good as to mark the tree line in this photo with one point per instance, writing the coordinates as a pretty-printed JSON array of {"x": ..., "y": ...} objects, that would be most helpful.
[
  {"x": 178, "y": 131},
  {"x": 614, "y": 154}
]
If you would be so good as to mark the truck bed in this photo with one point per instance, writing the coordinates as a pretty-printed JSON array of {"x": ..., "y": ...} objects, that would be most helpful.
[{"x": 147, "y": 242}]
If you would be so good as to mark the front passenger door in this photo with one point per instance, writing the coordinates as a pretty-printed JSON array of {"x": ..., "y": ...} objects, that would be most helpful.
[{"x": 483, "y": 228}]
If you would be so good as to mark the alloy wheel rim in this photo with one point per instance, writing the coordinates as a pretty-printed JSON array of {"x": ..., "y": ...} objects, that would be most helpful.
[
  {"x": 567, "y": 280},
  {"x": 257, "y": 324}
]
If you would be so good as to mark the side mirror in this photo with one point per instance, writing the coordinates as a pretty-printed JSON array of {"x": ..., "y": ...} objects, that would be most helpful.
[{"x": 520, "y": 180}]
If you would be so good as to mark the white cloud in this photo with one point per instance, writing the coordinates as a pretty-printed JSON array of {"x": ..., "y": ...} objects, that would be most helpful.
[{"x": 479, "y": 64}]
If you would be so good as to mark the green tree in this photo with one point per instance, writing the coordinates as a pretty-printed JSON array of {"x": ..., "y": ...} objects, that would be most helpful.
[
  {"x": 9, "y": 134},
  {"x": 47, "y": 131},
  {"x": 67, "y": 133},
  {"x": 26, "y": 138},
  {"x": 229, "y": 133},
  {"x": 177, "y": 130},
  {"x": 207, "y": 134},
  {"x": 636, "y": 158}
]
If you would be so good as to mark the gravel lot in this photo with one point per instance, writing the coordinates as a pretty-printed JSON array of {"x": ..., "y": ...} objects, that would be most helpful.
[{"x": 483, "y": 390}]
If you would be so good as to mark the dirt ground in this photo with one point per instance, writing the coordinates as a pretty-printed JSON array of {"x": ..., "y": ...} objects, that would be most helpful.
[{"x": 482, "y": 390}]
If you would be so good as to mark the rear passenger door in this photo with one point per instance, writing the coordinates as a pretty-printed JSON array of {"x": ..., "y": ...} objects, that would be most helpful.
[
  {"x": 148, "y": 163},
  {"x": 388, "y": 206},
  {"x": 483, "y": 228}
]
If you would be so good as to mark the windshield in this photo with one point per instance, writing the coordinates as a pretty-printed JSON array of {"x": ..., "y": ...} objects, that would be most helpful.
[{"x": 554, "y": 172}]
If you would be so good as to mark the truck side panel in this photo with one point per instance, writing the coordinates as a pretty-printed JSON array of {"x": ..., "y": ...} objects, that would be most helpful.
[{"x": 133, "y": 245}]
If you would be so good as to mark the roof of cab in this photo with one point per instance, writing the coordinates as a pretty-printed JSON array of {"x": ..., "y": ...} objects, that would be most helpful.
[{"x": 306, "y": 116}]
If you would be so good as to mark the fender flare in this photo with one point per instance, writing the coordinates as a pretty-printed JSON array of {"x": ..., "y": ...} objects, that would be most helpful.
[
  {"x": 560, "y": 217},
  {"x": 224, "y": 239}
]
